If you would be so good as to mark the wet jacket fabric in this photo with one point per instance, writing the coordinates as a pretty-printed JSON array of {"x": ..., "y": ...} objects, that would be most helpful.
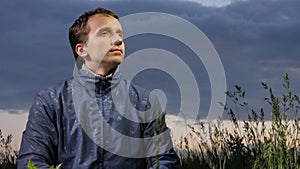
[{"x": 65, "y": 127}]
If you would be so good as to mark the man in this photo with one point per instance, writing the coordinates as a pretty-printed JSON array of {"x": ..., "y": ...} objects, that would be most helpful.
[{"x": 96, "y": 119}]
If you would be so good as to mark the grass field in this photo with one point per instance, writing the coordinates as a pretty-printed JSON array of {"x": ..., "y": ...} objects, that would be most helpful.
[{"x": 253, "y": 143}]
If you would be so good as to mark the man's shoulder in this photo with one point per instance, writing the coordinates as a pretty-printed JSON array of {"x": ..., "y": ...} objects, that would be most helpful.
[{"x": 56, "y": 90}]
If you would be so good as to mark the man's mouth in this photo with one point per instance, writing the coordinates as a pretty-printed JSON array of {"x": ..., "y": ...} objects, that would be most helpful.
[{"x": 116, "y": 50}]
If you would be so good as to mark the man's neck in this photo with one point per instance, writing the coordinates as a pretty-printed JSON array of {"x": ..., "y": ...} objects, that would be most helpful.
[{"x": 101, "y": 71}]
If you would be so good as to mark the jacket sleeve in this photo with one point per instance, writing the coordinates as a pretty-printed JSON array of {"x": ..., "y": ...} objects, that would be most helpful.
[
  {"x": 165, "y": 156},
  {"x": 39, "y": 139},
  {"x": 160, "y": 143}
]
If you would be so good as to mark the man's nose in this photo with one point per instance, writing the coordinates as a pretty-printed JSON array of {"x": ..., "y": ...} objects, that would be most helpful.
[{"x": 116, "y": 40}]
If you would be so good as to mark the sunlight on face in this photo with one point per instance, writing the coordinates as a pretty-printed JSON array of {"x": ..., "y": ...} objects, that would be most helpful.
[{"x": 105, "y": 42}]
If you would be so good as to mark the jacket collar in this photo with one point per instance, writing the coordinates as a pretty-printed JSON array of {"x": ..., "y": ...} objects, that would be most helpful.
[{"x": 91, "y": 80}]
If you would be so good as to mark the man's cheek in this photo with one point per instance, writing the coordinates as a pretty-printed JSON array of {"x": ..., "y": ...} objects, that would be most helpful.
[{"x": 103, "y": 49}]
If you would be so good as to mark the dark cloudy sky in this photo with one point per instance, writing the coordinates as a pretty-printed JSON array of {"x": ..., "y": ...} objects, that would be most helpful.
[{"x": 257, "y": 40}]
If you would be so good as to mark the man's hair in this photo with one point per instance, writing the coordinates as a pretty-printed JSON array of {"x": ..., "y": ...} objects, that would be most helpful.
[{"x": 78, "y": 32}]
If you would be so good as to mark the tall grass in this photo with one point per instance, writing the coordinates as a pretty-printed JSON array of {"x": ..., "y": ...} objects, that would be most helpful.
[
  {"x": 249, "y": 143},
  {"x": 7, "y": 154}
]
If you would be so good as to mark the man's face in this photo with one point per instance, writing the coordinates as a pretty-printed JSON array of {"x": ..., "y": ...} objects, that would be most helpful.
[{"x": 104, "y": 46}]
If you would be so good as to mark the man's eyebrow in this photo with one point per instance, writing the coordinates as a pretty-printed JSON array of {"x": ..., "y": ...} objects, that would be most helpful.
[
  {"x": 103, "y": 29},
  {"x": 109, "y": 29},
  {"x": 120, "y": 31}
]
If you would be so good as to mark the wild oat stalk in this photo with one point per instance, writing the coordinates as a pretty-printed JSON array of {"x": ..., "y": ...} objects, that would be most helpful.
[
  {"x": 7, "y": 154},
  {"x": 250, "y": 144}
]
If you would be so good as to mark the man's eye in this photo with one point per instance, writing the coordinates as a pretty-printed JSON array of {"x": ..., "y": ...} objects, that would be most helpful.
[{"x": 105, "y": 33}]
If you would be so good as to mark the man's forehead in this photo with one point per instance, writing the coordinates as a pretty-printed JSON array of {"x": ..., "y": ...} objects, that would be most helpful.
[{"x": 101, "y": 20}]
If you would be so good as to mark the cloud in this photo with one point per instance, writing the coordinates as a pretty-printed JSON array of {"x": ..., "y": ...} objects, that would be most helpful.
[
  {"x": 256, "y": 40},
  {"x": 213, "y": 3},
  {"x": 13, "y": 111}
]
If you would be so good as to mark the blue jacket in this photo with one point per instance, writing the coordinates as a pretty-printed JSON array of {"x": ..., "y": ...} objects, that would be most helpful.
[{"x": 93, "y": 122}]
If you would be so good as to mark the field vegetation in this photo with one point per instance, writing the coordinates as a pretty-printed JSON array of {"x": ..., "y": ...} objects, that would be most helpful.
[{"x": 249, "y": 143}]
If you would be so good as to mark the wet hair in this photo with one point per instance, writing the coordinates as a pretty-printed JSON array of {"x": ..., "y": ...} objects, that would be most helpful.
[{"x": 78, "y": 32}]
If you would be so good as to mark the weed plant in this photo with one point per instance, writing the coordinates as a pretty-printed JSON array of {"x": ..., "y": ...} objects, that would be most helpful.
[
  {"x": 249, "y": 143},
  {"x": 7, "y": 154}
]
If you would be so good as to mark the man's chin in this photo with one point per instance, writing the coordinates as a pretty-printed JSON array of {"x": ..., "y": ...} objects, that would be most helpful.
[{"x": 112, "y": 62}]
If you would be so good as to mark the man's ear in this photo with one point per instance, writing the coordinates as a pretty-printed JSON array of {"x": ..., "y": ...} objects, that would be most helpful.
[{"x": 80, "y": 50}]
